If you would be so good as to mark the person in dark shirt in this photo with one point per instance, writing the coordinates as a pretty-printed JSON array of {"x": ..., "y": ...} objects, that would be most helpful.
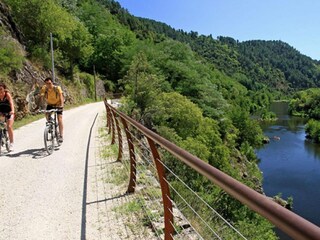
[{"x": 7, "y": 107}]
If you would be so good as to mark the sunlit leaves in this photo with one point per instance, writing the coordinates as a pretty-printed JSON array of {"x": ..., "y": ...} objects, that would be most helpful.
[
  {"x": 11, "y": 56},
  {"x": 176, "y": 111}
]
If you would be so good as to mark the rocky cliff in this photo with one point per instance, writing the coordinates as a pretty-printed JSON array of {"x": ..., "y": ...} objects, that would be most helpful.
[{"x": 21, "y": 82}]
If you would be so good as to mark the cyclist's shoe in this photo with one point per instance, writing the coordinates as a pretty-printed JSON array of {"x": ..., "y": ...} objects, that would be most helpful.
[
  {"x": 60, "y": 139},
  {"x": 11, "y": 147}
]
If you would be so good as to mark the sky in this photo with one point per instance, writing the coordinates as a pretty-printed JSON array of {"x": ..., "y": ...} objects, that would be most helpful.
[{"x": 296, "y": 22}]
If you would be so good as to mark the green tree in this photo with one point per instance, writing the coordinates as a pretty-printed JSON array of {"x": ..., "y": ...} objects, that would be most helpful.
[
  {"x": 177, "y": 112},
  {"x": 250, "y": 130},
  {"x": 76, "y": 47},
  {"x": 47, "y": 17},
  {"x": 313, "y": 130},
  {"x": 143, "y": 86}
]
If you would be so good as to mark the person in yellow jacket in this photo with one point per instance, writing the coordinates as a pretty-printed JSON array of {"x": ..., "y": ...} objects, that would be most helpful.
[{"x": 54, "y": 98}]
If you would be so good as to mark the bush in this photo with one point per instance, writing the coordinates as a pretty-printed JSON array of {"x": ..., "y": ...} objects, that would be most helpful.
[
  {"x": 11, "y": 56},
  {"x": 313, "y": 130}
]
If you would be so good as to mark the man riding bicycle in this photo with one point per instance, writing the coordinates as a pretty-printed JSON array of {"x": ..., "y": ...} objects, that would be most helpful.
[{"x": 54, "y": 98}]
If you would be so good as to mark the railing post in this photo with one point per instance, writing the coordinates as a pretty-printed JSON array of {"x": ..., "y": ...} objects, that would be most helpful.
[
  {"x": 109, "y": 116},
  {"x": 119, "y": 137},
  {"x": 112, "y": 117},
  {"x": 133, "y": 170},
  {"x": 108, "y": 110},
  {"x": 167, "y": 203}
]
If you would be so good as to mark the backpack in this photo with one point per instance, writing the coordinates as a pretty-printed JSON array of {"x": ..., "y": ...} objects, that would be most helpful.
[{"x": 55, "y": 88}]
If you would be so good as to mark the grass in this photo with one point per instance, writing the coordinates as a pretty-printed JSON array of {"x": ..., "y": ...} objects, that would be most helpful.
[
  {"x": 119, "y": 176},
  {"x": 134, "y": 213},
  {"x": 109, "y": 151},
  {"x": 129, "y": 207},
  {"x": 26, "y": 120}
]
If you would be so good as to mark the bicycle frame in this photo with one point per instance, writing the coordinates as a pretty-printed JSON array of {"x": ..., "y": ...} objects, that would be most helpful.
[
  {"x": 51, "y": 131},
  {"x": 4, "y": 138}
]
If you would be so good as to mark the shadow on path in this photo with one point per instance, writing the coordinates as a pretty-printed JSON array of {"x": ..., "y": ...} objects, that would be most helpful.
[
  {"x": 108, "y": 199},
  {"x": 85, "y": 187},
  {"x": 34, "y": 153}
]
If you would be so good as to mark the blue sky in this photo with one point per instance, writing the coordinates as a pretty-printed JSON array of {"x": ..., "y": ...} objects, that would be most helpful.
[{"x": 296, "y": 22}]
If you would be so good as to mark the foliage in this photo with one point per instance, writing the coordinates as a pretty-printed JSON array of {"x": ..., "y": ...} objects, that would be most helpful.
[
  {"x": 177, "y": 112},
  {"x": 143, "y": 86},
  {"x": 261, "y": 63},
  {"x": 46, "y": 18},
  {"x": 110, "y": 39},
  {"x": 278, "y": 64},
  {"x": 76, "y": 47},
  {"x": 88, "y": 81},
  {"x": 250, "y": 131},
  {"x": 194, "y": 90},
  {"x": 306, "y": 103},
  {"x": 267, "y": 115},
  {"x": 11, "y": 56},
  {"x": 313, "y": 130},
  {"x": 70, "y": 37}
]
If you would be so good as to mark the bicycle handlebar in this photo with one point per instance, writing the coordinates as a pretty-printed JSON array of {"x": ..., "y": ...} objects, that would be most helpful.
[
  {"x": 49, "y": 111},
  {"x": 5, "y": 114}
]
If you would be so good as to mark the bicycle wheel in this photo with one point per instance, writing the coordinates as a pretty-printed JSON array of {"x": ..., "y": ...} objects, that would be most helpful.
[
  {"x": 5, "y": 140},
  {"x": 48, "y": 139},
  {"x": 0, "y": 141}
]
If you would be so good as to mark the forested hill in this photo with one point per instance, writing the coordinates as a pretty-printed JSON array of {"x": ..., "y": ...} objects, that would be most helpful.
[
  {"x": 166, "y": 84},
  {"x": 254, "y": 63}
]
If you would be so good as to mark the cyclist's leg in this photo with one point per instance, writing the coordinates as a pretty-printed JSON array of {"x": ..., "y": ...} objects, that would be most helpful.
[
  {"x": 60, "y": 121},
  {"x": 10, "y": 127},
  {"x": 49, "y": 107},
  {"x": 10, "y": 122}
]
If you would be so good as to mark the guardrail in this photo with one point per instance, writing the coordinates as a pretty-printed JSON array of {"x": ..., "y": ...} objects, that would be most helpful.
[{"x": 289, "y": 222}]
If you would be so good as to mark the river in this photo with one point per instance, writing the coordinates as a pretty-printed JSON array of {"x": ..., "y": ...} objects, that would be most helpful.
[{"x": 291, "y": 165}]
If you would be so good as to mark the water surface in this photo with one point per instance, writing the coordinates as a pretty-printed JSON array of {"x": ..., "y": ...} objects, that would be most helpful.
[{"x": 291, "y": 165}]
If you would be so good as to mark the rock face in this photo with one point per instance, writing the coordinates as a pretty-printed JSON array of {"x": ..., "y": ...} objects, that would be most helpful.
[
  {"x": 6, "y": 21},
  {"x": 23, "y": 81}
]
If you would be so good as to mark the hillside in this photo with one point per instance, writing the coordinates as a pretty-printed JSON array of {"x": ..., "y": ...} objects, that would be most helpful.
[
  {"x": 275, "y": 64},
  {"x": 196, "y": 92},
  {"x": 21, "y": 71}
]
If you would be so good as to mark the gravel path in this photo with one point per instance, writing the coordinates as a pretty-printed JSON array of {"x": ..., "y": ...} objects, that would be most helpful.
[
  {"x": 41, "y": 196},
  {"x": 69, "y": 194}
]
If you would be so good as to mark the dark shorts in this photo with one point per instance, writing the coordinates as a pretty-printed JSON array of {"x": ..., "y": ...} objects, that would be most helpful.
[
  {"x": 59, "y": 112},
  {"x": 8, "y": 116}
]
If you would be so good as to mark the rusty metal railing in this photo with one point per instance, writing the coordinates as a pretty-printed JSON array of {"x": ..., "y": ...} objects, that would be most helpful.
[{"x": 290, "y": 223}]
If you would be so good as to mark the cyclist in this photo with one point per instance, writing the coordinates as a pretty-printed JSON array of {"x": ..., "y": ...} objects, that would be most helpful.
[
  {"x": 7, "y": 107},
  {"x": 54, "y": 98}
]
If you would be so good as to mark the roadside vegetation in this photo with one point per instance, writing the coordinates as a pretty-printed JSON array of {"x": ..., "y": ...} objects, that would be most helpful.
[
  {"x": 306, "y": 104},
  {"x": 196, "y": 91}
]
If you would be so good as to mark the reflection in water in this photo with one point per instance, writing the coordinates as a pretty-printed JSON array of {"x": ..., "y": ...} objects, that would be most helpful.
[
  {"x": 291, "y": 165},
  {"x": 293, "y": 124},
  {"x": 312, "y": 149}
]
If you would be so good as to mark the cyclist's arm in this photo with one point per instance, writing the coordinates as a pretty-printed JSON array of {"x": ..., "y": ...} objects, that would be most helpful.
[
  {"x": 42, "y": 96},
  {"x": 11, "y": 103},
  {"x": 61, "y": 98}
]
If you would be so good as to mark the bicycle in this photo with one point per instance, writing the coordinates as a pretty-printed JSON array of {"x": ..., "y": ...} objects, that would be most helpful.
[
  {"x": 51, "y": 131},
  {"x": 4, "y": 138}
]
